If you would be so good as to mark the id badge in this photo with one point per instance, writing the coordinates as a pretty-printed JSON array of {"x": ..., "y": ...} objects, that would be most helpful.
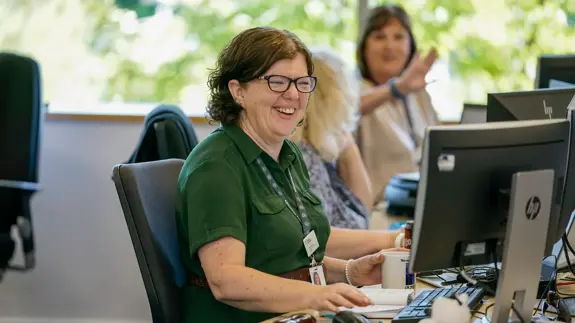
[
  {"x": 310, "y": 243},
  {"x": 317, "y": 276}
]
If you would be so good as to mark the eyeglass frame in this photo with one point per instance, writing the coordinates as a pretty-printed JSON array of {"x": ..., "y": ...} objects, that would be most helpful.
[{"x": 267, "y": 78}]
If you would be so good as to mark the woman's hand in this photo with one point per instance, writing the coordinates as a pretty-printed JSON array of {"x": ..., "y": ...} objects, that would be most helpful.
[
  {"x": 366, "y": 270},
  {"x": 331, "y": 297},
  {"x": 413, "y": 78}
]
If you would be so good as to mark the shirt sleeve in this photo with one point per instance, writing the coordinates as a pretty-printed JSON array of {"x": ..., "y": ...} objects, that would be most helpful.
[{"x": 214, "y": 203}]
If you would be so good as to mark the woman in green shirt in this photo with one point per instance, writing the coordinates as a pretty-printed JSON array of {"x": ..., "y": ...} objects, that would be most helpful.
[{"x": 252, "y": 233}]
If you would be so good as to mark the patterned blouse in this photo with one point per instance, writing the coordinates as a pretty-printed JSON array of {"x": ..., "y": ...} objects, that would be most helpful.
[{"x": 338, "y": 201}]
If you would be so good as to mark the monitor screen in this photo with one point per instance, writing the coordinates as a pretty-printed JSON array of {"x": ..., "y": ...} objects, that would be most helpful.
[
  {"x": 555, "y": 67},
  {"x": 556, "y": 84}
]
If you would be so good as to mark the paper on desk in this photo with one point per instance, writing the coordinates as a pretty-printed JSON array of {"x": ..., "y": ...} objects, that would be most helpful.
[
  {"x": 387, "y": 302},
  {"x": 380, "y": 296},
  {"x": 376, "y": 311}
]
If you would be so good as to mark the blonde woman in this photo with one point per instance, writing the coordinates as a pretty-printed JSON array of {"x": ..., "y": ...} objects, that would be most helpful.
[{"x": 337, "y": 173}]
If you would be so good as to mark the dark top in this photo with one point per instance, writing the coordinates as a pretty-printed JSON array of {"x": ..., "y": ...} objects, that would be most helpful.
[
  {"x": 342, "y": 207},
  {"x": 223, "y": 192}
]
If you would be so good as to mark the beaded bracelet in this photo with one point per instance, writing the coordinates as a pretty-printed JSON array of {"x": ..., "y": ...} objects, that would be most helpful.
[{"x": 347, "y": 272}]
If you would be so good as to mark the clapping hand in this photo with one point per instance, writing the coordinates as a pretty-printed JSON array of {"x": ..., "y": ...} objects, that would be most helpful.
[{"x": 413, "y": 78}]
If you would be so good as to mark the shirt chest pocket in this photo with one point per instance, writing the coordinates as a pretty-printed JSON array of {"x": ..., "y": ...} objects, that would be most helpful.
[
  {"x": 312, "y": 203},
  {"x": 277, "y": 227}
]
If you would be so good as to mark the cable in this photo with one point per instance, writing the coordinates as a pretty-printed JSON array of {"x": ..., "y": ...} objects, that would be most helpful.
[
  {"x": 551, "y": 281},
  {"x": 488, "y": 289},
  {"x": 568, "y": 243},
  {"x": 566, "y": 246}
]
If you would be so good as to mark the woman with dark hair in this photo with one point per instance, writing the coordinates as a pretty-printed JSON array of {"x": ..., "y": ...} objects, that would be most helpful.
[
  {"x": 251, "y": 231},
  {"x": 395, "y": 106}
]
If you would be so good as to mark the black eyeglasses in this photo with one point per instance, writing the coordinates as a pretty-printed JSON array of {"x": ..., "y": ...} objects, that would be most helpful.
[{"x": 280, "y": 83}]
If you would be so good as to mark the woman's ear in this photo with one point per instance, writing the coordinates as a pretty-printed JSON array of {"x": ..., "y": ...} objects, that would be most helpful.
[{"x": 236, "y": 90}]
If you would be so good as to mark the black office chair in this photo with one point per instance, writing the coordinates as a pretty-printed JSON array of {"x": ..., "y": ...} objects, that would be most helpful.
[
  {"x": 147, "y": 192},
  {"x": 21, "y": 118},
  {"x": 167, "y": 133}
]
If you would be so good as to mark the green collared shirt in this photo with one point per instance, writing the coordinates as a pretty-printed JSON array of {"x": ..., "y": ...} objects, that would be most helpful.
[{"x": 223, "y": 192}]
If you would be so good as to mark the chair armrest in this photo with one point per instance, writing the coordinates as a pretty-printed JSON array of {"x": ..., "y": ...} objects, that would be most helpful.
[{"x": 27, "y": 186}]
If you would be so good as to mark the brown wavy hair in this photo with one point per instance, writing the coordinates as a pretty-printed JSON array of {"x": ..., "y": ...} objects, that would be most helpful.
[
  {"x": 245, "y": 58},
  {"x": 378, "y": 18}
]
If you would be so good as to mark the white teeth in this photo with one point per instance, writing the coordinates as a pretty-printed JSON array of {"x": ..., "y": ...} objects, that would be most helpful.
[{"x": 286, "y": 110}]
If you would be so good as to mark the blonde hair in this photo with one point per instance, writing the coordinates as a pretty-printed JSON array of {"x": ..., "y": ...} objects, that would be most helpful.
[{"x": 332, "y": 107}]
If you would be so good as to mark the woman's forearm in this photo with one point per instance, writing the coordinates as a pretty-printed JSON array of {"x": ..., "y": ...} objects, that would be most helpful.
[
  {"x": 253, "y": 290},
  {"x": 351, "y": 244},
  {"x": 351, "y": 170},
  {"x": 374, "y": 97},
  {"x": 335, "y": 270}
]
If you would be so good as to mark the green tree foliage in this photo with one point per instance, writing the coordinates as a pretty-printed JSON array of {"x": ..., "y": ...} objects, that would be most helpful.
[
  {"x": 208, "y": 25},
  {"x": 138, "y": 50},
  {"x": 493, "y": 45}
]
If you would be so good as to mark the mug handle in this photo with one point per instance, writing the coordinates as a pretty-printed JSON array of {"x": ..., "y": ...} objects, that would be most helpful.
[{"x": 400, "y": 240}]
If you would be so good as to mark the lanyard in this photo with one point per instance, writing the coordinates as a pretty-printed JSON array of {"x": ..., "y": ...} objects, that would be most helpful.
[
  {"x": 410, "y": 123},
  {"x": 302, "y": 216}
]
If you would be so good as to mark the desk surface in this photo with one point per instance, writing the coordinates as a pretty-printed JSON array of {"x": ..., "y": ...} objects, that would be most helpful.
[{"x": 419, "y": 287}]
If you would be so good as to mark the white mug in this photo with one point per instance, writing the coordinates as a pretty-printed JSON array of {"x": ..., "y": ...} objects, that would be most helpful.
[{"x": 395, "y": 271}]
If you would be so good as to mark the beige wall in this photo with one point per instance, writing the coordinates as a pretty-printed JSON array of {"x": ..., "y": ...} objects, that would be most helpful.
[{"x": 86, "y": 265}]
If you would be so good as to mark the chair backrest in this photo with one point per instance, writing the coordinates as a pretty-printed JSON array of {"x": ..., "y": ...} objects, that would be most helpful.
[
  {"x": 21, "y": 117},
  {"x": 167, "y": 133},
  {"x": 170, "y": 142},
  {"x": 147, "y": 193}
]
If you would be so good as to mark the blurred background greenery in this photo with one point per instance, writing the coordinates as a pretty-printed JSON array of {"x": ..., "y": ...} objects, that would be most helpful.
[{"x": 149, "y": 51}]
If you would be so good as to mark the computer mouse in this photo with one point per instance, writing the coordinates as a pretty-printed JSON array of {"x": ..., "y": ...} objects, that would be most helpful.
[{"x": 349, "y": 317}]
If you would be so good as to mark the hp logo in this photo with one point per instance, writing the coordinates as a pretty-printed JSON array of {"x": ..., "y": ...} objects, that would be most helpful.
[
  {"x": 533, "y": 207},
  {"x": 548, "y": 110}
]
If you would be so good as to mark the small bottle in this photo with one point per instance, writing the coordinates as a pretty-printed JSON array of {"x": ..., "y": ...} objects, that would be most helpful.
[{"x": 408, "y": 234}]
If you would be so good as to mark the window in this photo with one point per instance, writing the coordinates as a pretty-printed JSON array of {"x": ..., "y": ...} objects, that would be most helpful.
[
  {"x": 126, "y": 56},
  {"x": 99, "y": 58}
]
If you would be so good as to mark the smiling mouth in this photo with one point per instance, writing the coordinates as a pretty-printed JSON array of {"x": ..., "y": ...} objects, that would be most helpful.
[{"x": 286, "y": 111}]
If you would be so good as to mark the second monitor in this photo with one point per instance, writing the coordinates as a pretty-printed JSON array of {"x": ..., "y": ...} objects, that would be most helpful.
[
  {"x": 555, "y": 71},
  {"x": 530, "y": 105}
]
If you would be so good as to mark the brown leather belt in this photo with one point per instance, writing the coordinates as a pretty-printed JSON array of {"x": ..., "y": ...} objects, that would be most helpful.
[{"x": 299, "y": 274}]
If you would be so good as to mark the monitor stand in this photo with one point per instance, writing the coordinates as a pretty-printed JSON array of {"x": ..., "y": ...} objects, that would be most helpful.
[{"x": 524, "y": 245}]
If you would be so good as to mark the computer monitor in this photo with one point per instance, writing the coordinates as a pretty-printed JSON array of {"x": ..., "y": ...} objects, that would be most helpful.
[
  {"x": 555, "y": 68},
  {"x": 473, "y": 113},
  {"x": 465, "y": 173},
  {"x": 487, "y": 192},
  {"x": 529, "y": 105},
  {"x": 533, "y": 105}
]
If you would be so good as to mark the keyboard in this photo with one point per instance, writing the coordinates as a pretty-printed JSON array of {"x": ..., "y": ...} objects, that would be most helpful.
[{"x": 420, "y": 307}]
